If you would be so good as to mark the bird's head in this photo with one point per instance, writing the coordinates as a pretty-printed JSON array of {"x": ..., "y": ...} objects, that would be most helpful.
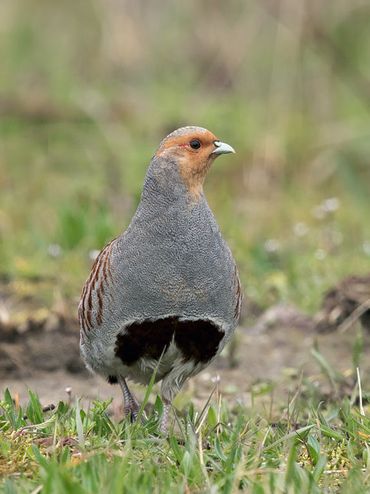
[{"x": 192, "y": 149}]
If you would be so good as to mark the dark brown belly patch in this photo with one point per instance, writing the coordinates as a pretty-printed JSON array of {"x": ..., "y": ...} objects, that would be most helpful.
[{"x": 197, "y": 340}]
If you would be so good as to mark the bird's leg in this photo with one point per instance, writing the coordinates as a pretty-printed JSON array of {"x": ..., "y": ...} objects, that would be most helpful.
[
  {"x": 164, "y": 419},
  {"x": 131, "y": 406},
  {"x": 171, "y": 385}
]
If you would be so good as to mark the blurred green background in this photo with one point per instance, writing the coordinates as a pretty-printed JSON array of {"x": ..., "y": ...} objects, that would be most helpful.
[{"x": 88, "y": 88}]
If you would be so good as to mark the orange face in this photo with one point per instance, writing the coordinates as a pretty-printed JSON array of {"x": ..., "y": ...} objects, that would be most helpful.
[{"x": 194, "y": 149}]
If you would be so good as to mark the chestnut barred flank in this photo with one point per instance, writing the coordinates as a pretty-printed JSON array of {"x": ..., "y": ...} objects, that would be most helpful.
[{"x": 95, "y": 286}]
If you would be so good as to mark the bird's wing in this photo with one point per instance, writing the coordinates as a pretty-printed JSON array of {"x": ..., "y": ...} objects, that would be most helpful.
[{"x": 96, "y": 291}]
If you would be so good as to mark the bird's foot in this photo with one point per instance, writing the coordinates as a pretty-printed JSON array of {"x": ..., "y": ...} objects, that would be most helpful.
[{"x": 131, "y": 411}]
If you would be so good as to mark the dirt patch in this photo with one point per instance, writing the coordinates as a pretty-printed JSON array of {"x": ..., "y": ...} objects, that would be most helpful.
[
  {"x": 44, "y": 346},
  {"x": 345, "y": 304},
  {"x": 33, "y": 337}
]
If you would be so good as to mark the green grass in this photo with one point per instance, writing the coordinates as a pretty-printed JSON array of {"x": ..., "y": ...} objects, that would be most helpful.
[{"x": 307, "y": 446}]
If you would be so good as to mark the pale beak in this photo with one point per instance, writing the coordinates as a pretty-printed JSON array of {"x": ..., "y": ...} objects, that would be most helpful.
[{"x": 222, "y": 148}]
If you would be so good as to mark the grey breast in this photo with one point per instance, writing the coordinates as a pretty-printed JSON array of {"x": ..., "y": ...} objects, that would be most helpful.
[{"x": 172, "y": 259}]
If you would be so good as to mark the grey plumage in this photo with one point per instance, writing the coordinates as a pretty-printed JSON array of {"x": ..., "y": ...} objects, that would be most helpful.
[{"x": 170, "y": 262}]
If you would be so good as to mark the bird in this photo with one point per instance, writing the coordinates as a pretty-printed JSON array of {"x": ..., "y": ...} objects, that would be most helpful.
[{"x": 164, "y": 297}]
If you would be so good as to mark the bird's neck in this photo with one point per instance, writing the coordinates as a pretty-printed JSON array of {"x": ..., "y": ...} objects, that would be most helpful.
[
  {"x": 167, "y": 205},
  {"x": 165, "y": 187}
]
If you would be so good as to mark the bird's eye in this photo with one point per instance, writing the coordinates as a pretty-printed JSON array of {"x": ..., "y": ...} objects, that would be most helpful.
[{"x": 195, "y": 144}]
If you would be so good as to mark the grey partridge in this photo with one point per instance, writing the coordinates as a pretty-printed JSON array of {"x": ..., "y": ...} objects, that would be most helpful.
[{"x": 165, "y": 295}]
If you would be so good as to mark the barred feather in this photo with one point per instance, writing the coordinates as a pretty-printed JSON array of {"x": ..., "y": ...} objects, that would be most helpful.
[{"x": 91, "y": 306}]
